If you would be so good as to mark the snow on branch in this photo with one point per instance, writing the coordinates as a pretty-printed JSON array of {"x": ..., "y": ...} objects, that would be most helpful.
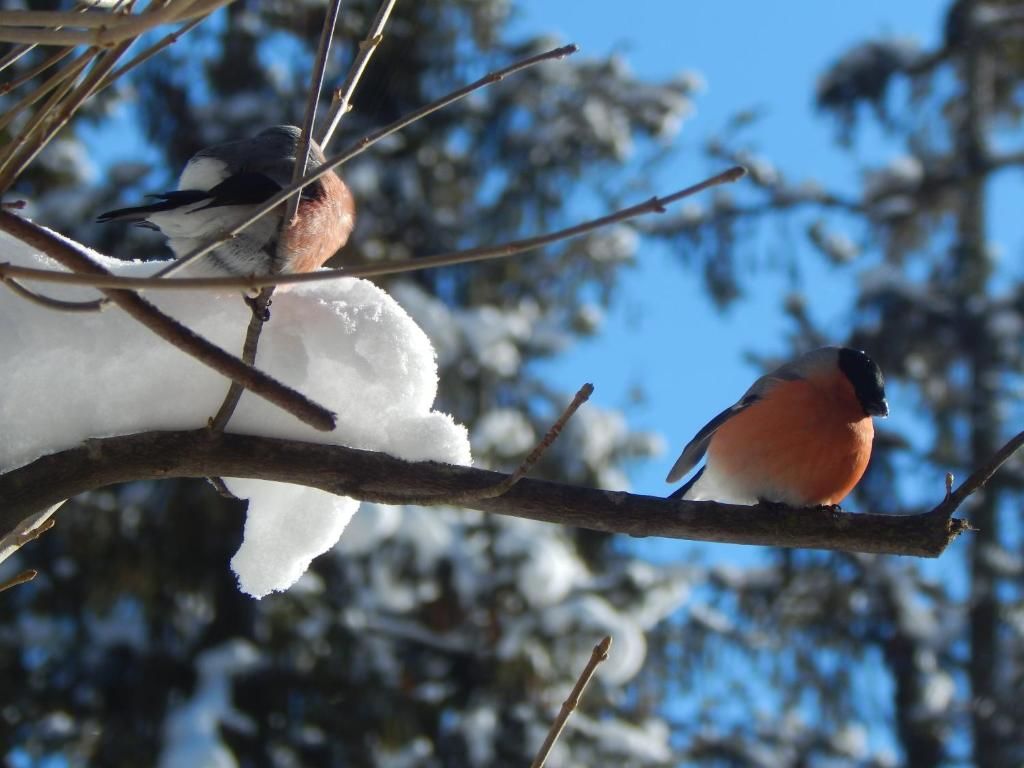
[
  {"x": 75, "y": 257},
  {"x": 377, "y": 477}
]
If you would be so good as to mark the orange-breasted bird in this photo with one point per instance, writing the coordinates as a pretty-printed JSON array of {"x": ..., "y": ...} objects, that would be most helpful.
[
  {"x": 801, "y": 435},
  {"x": 222, "y": 185}
]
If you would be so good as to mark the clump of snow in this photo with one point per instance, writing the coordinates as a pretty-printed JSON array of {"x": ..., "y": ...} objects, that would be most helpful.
[
  {"x": 504, "y": 432},
  {"x": 549, "y": 569},
  {"x": 903, "y": 174},
  {"x": 345, "y": 343},
  {"x": 647, "y": 741}
]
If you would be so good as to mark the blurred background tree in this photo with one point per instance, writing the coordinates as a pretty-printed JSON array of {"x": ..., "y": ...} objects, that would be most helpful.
[
  {"x": 855, "y": 650},
  {"x": 448, "y": 637},
  {"x": 430, "y": 637}
]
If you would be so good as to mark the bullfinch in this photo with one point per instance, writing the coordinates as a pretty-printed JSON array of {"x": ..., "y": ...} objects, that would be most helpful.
[
  {"x": 801, "y": 435},
  {"x": 224, "y": 184}
]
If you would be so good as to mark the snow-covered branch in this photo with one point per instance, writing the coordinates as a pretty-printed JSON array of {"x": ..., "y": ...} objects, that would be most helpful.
[
  {"x": 72, "y": 256},
  {"x": 373, "y": 476}
]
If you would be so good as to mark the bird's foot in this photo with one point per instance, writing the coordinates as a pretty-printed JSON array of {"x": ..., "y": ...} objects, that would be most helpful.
[
  {"x": 772, "y": 506},
  {"x": 260, "y": 309}
]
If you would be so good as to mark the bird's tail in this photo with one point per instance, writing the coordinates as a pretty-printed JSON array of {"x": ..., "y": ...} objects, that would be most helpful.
[
  {"x": 167, "y": 201},
  {"x": 680, "y": 493}
]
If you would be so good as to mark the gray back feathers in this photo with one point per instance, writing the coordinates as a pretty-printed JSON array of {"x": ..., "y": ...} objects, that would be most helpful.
[
  {"x": 818, "y": 360},
  {"x": 271, "y": 152}
]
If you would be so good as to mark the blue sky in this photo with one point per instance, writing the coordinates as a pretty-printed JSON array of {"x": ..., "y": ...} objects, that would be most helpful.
[{"x": 664, "y": 334}]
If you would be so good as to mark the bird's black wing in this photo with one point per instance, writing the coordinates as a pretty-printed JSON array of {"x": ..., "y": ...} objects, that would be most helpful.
[
  {"x": 244, "y": 188},
  {"x": 167, "y": 201},
  {"x": 696, "y": 448}
]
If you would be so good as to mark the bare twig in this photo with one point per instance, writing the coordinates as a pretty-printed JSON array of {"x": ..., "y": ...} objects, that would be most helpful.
[
  {"x": 29, "y": 529},
  {"x": 52, "y": 120},
  {"x": 315, "y": 87},
  {"x": 104, "y": 30},
  {"x": 164, "y": 42},
  {"x": 18, "y": 51},
  {"x": 14, "y": 55},
  {"x": 171, "y": 330},
  {"x": 44, "y": 65},
  {"x": 362, "y": 145},
  {"x": 221, "y": 488},
  {"x": 524, "y": 468},
  {"x": 67, "y": 98},
  {"x": 342, "y": 101},
  {"x": 252, "y": 340},
  {"x": 22, "y": 578},
  {"x": 654, "y": 205},
  {"x": 599, "y": 654},
  {"x": 67, "y": 73},
  {"x": 50, "y": 303},
  {"x": 978, "y": 478},
  {"x": 375, "y": 476}
]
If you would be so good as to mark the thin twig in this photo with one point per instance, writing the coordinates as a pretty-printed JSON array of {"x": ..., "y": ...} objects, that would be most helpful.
[
  {"x": 77, "y": 19},
  {"x": 21, "y": 578},
  {"x": 50, "y": 303},
  {"x": 362, "y": 145},
  {"x": 52, "y": 122},
  {"x": 115, "y": 29},
  {"x": 29, "y": 529},
  {"x": 14, "y": 55},
  {"x": 26, "y": 530},
  {"x": 48, "y": 120},
  {"x": 599, "y": 654},
  {"x": 654, "y": 205},
  {"x": 68, "y": 72},
  {"x": 504, "y": 485},
  {"x": 342, "y": 101},
  {"x": 164, "y": 42},
  {"x": 978, "y": 478},
  {"x": 222, "y": 489},
  {"x": 312, "y": 101},
  {"x": 252, "y": 339},
  {"x": 21, "y": 50},
  {"x": 24, "y": 77},
  {"x": 171, "y": 330}
]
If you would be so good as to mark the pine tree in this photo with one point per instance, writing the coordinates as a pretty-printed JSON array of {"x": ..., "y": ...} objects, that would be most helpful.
[
  {"x": 857, "y": 653},
  {"x": 430, "y": 637}
]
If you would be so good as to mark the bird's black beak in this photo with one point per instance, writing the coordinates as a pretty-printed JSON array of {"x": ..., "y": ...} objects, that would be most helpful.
[{"x": 878, "y": 408}]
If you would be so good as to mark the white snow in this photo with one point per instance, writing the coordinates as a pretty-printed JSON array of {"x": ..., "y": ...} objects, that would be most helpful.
[
  {"x": 647, "y": 741},
  {"x": 503, "y": 432},
  {"x": 344, "y": 343}
]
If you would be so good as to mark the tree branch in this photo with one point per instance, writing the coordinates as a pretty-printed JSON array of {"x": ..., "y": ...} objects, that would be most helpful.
[
  {"x": 481, "y": 253},
  {"x": 372, "y": 476}
]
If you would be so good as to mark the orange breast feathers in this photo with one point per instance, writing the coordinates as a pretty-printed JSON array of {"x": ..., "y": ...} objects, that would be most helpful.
[
  {"x": 805, "y": 442},
  {"x": 325, "y": 222}
]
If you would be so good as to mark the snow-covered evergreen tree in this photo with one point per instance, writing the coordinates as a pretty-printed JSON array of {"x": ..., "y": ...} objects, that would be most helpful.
[{"x": 430, "y": 636}]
